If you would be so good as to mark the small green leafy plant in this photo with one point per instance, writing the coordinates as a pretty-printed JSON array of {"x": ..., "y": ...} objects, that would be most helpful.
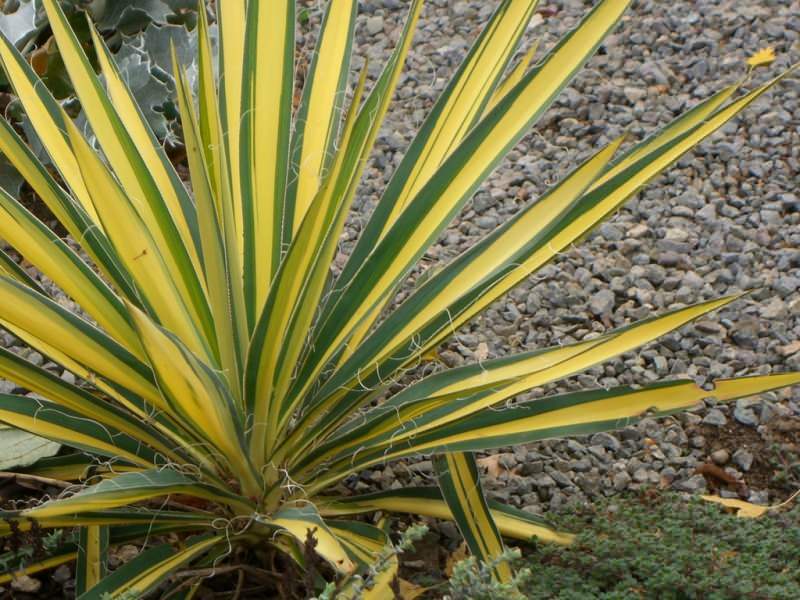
[
  {"x": 473, "y": 579},
  {"x": 230, "y": 382}
]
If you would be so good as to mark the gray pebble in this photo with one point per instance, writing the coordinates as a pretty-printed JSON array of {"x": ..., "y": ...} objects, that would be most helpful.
[
  {"x": 607, "y": 441},
  {"x": 695, "y": 484},
  {"x": 641, "y": 475},
  {"x": 602, "y": 302},
  {"x": 715, "y": 417},
  {"x": 621, "y": 481},
  {"x": 375, "y": 25},
  {"x": 743, "y": 459},
  {"x": 745, "y": 416}
]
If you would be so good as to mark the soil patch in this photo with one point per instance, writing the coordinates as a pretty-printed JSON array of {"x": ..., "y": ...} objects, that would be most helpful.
[{"x": 775, "y": 447}]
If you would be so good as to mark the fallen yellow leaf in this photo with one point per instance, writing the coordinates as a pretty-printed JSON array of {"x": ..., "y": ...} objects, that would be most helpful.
[
  {"x": 743, "y": 509},
  {"x": 762, "y": 57},
  {"x": 747, "y": 509}
]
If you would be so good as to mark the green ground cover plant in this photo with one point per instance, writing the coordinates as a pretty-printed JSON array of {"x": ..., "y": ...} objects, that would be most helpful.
[{"x": 655, "y": 546}]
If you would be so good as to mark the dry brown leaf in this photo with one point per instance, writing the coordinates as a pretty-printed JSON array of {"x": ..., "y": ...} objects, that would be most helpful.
[
  {"x": 729, "y": 555},
  {"x": 410, "y": 591},
  {"x": 460, "y": 554},
  {"x": 494, "y": 468},
  {"x": 789, "y": 349},
  {"x": 492, "y": 465}
]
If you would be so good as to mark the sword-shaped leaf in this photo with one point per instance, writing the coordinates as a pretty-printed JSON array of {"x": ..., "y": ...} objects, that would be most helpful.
[
  {"x": 151, "y": 567},
  {"x": 451, "y": 186},
  {"x": 130, "y": 488},
  {"x": 291, "y": 304},
  {"x": 129, "y": 149},
  {"x": 461, "y": 488},
  {"x": 80, "y": 401},
  {"x": 9, "y": 268},
  {"x": 475, "y": 269},
  {"x": 428, "y": 501},
  {"x": 268, "y": 86},
  {"x": 321, "y": 106},
  {"x": 132, "y": 518},
  {"x": 196, "y": 395},
  {"x": 299, "y": 285},
  {"x": 303, "y": 521},
  {"x": 578, "y": 413},
  {"x": 47, "y": 118},
  {"x": 67, "y": 333},
  {"x": 60, "y": 424},
  {"x": 552, "y": 217},
  {"x": 223, "y": 285},
  {"x": 80, "y": 225},
  {"x": 92, "y": 560},
  {"x": 432, "y": 399},
  {"x": 41, "y": 247},
  {"x": 138, "y": 249}
]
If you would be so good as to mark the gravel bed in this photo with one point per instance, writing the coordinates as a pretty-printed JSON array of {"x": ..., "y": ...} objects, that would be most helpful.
[{"x": 724, "y": 219}]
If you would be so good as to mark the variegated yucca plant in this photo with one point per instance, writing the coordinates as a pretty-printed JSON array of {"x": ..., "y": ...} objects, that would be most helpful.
[{"x": 229, "y": 380}]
